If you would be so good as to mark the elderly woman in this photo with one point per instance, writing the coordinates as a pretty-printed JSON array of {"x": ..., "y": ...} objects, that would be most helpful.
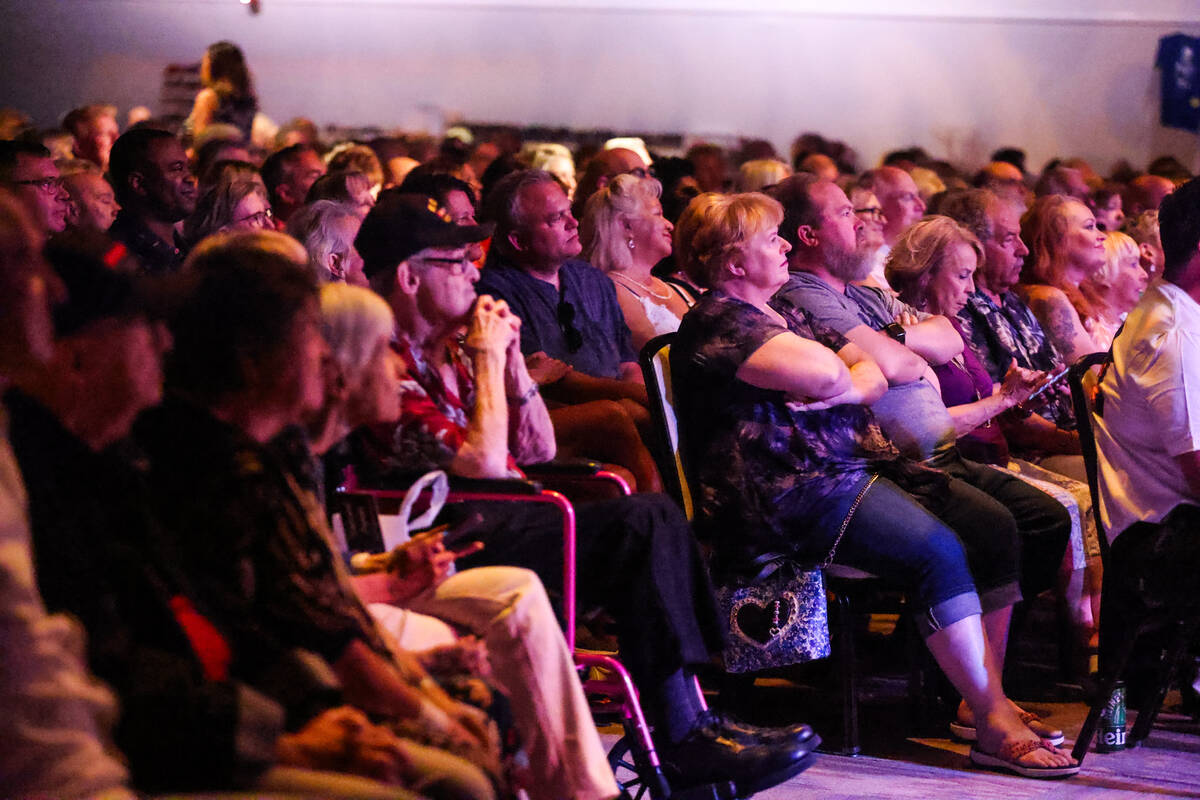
[
  {"x": 789, "y": 463},
  {"x": 1114, "y": 289},
  {"x": 229, "y": 207},
  {"x": 932, "y": 266},
  {"x": 624, "y": 234},
  {"x": 327, "y": 230},
  {"x": 505, "y": 606},
  {"x": 1065, "y": 247}
]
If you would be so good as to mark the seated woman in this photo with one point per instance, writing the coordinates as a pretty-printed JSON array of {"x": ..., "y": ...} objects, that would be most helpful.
[
  {"x": 932, "y": 266},
  {"x": 228, "y": 207},
  {"x": 624, "y": 234},
  {"x": 1065, "y": 247},
  {"x": 1114, "y": 289},
  {"x": 784, "y": 452},
  {"x": 506, "y": 606}
]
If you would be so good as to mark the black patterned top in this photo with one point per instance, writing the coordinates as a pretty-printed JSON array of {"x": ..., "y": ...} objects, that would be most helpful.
[{"x": 769, "y": 478}]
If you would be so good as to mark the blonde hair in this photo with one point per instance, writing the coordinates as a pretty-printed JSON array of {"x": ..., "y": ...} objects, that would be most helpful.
[
  {"x": 1117, "y": 246},
  {"x": 919, "y": 253},
  {"x": 714, "y": 227},
  {"x": 353, "y": 320},
  {"x": 602, "y": 229},
  {"x": 1043, "y": 228},
  {"x": 760, "y": 173}
]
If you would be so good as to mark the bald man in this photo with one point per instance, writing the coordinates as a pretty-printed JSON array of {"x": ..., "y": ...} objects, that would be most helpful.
[
  {"x": 1145, "y": 193},
  {"x": 604, "y": 166},
  {"x": 898, "y": 196},
  {"x": 1004, "y": 180}
]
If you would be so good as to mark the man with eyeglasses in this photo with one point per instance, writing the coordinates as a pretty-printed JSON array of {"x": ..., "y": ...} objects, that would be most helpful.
[
  {"x": 29, "y": 172},
  {"x": 604, "y": 166},
  {"x": 155, "y": 187},
  {"x": 898, "y": 195},
  {"x": 470, "y": 407}
]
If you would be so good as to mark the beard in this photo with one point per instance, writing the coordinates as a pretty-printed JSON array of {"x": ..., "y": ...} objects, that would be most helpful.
[{"x": 848, "y": 265}]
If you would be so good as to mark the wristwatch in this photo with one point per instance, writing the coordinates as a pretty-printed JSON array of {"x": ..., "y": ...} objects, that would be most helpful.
[{"x": 896, "y": 331}]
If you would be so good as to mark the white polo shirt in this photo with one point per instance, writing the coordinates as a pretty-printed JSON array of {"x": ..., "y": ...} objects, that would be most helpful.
[{"x": 1151, "y": 410}]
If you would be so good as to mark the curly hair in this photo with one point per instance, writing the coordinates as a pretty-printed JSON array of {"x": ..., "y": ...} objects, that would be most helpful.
[
  {"x": 602, "y": 229},
  {"x": 1043, "y": 227}
]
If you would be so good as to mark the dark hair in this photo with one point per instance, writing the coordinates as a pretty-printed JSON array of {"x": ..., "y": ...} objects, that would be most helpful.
[
  {"x": 240, "y": 304},
  {"x": 11, "y": 151},
  {"x": 501, "y": 166},
  {"x": 437, "y": 185},
  {"x": 335, "y": 186},
  {"x": 206, "y": 154},
  {"x": 1011, "y": 155},
  {"x": 794, "y": 193},
  {"x": 1179, "y": 228},
  {"x": 131, "y": 153},
  {"x": 274, "y": 169},
  {"x": 227, "y": 70}
]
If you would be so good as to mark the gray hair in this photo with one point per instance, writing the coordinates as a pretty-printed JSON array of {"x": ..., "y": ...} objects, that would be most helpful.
[
  {"x": 315, "y": 226},
  {"x": 503, "y": 204}
]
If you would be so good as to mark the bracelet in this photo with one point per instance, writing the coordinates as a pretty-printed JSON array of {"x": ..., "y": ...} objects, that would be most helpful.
[{"x": 525, "y": 398}]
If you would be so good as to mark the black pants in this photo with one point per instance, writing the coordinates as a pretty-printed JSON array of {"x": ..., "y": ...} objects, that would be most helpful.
[
  {"x": 637, "y": 558},
  {"x": 1017, "y": 518}
]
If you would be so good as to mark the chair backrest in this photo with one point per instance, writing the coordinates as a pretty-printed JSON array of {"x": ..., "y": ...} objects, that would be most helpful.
[
  {"x": 656, "y": 370},
  {"x": 1082, "y": 402}
]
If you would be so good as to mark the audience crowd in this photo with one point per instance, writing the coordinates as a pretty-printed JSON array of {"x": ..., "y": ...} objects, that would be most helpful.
[{"x": 208, "y": 326}]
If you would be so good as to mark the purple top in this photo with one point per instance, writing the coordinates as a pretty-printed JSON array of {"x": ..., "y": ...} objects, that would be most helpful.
[{"x": 964, "y": 383}]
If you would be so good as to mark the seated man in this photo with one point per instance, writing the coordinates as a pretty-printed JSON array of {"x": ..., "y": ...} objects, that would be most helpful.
[
  {"x": 289, "y": 174},
  {"x": 150, "y": 175},
  {"x": 93, "y": 203},
  {"x": 28, "y": 171},
  {"x": 473, "y": 410},
  {"x": 898, "y": 197},
  {"x": 94, "y": 128},
  {"x": 820, "y": 224},
  {"x": 572, "y": 329},
  {"x": 1148, "y": 433}
]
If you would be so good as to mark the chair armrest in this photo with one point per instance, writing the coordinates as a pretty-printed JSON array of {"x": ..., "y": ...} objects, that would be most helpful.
[{"x": 564, "y": 466}]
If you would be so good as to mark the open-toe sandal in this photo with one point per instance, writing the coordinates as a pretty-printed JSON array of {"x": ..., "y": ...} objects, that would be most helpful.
[{"x": 1007, "y": 759}]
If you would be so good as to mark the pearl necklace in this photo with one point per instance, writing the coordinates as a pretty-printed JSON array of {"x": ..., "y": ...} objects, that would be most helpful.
[{"x": 642, "y": 286}]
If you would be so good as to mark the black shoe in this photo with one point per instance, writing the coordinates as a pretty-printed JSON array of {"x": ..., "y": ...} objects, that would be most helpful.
[
  {"x": 746, "y": 733},
  {"x": 706, "y": 756}
]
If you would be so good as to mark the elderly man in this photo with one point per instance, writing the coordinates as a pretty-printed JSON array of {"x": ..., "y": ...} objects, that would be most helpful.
[
  {"x": 28, "y": 171},
  {"x": 604, "y": 166},
  {"x": 150, "y": 175},
  {"x": 899, "y": 197},
  {"x": 1000, "y": 327},
  {"x": 1144, "y": 230},
  {"x": 93, "y": 204},
  {"x": 95, "y": 130},
  {"x": 573, "y": 331},
  {"x": 472, "y": 408},
  {"x": 1145, "y": 193},
  {"x": 820, "y": 225},
  {"x": 1148, "y": 434},
  {"x": 289, "y": 174}
]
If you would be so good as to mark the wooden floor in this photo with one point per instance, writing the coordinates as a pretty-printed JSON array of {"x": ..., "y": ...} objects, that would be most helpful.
[{"x": 1167, "y": 765}]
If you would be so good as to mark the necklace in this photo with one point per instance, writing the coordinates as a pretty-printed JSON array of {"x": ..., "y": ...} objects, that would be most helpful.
[{"x": 642, "y": 286}]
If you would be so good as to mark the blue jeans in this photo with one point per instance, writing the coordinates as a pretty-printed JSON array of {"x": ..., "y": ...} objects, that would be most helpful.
[{"x": 892, "y": 536}]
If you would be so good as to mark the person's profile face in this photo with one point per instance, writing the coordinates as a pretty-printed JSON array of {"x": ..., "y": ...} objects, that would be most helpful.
[
  {"x": 167, "y": 181},
  {"x": 1004, "y": 252},
  {"x": 447, "y": 283},
  {"x": 550, "y": 234},
  {"x": 36, "y": 181}
]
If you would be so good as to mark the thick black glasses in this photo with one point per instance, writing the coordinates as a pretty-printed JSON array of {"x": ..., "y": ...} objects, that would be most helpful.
[{"x": 566, "y": 323}]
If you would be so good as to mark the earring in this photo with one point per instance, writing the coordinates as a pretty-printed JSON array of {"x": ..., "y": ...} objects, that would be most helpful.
[{"x": 630, "y": 242}]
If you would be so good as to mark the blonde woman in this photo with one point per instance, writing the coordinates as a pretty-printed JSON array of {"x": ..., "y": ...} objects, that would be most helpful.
[
  {"x": 624, "y": 234},
  {"x": 1114, "y": 289},
  {"x": 760, "y": 173}
]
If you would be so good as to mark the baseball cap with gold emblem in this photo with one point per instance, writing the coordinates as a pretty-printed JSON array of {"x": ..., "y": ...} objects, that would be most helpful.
[{"x": 401, "y": 225}]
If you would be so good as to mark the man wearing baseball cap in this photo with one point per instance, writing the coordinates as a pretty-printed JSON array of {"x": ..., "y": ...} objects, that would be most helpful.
[{"x": 469, "y": 406}]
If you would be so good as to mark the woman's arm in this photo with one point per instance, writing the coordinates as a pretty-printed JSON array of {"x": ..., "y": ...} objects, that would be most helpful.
[
  {"x": 640, "y": 327},
  {"x": 798, "y": 366},
  {"x": 203, "y": 110},
  {"x": 1061, "y": 322},
  {"x": 1016, "y": 388}
]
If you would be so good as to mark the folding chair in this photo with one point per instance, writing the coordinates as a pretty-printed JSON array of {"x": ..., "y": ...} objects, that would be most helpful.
[
  {"x": 1185, "y": 625},
  {"x": 607, "y": 683},
  {"x": 841, "y": 581}
]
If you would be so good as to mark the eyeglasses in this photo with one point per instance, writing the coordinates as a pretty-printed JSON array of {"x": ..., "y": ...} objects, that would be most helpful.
[
  {"x": 873, "y": 213},
  {"x": 260, "y": 218},
  {"x": 47, "y": 185},
  {"x": 455, "y": 266},
  {"x": 566, "y": 323}
]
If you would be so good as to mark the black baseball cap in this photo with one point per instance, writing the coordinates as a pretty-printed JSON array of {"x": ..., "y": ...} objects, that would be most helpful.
[{"x": 403, "y": 224}]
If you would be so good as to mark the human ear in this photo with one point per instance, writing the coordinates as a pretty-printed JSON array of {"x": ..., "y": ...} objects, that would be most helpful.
[{"x": 807, "y": 235}]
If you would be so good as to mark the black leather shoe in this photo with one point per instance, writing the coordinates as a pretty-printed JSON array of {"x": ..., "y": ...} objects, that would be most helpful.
[
  {"x": 746, "y": 733},
  {"x": 706, "y": 756}
]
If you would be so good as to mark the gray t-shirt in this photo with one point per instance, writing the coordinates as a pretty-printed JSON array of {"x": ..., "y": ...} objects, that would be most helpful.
[{"x": 912, "y": 414}]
